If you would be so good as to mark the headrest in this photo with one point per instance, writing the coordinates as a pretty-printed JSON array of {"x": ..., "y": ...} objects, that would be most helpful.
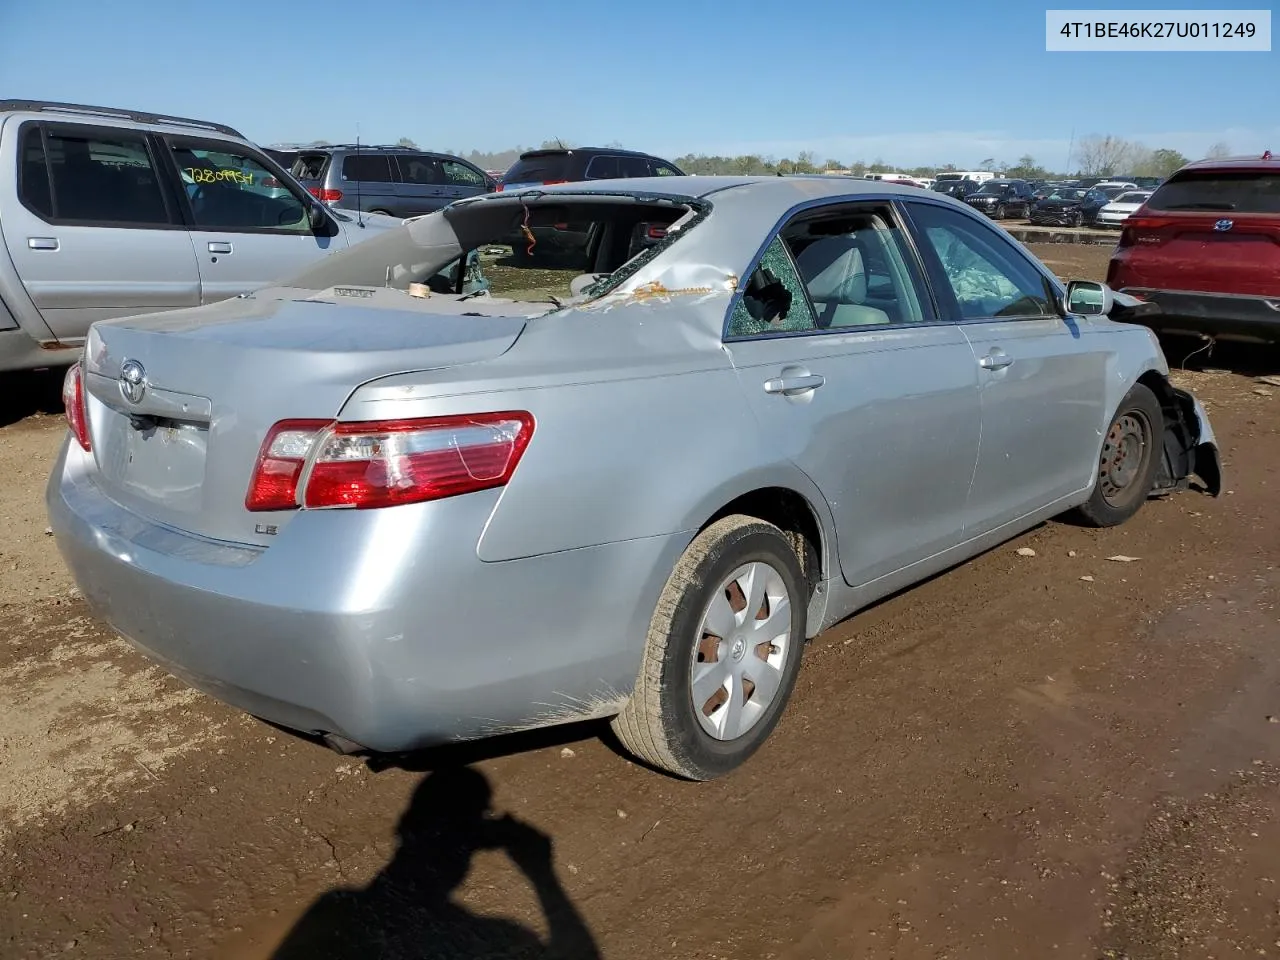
[{"x": 833, "y": 270}]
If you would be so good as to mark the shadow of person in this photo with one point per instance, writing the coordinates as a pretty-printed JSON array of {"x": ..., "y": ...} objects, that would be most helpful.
[{"x": 406, "y": 912}]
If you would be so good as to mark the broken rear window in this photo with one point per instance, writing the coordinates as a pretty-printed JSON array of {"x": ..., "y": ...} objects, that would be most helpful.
[{"x": 550, "y": 248}]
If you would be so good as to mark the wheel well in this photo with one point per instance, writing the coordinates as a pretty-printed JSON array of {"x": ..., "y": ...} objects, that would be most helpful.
[
  {"x": 1176, "y": 455},
  {"x": 790, "y": 512}
]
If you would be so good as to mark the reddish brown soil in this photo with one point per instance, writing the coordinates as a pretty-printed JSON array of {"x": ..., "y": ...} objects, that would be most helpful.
[{"x": 1007, "y": 761}]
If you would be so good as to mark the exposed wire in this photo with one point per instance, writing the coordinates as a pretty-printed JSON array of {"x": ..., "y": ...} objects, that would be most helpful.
[
  {"x": 524, "y": 228},
  {"x": 1208, "y": 346}
]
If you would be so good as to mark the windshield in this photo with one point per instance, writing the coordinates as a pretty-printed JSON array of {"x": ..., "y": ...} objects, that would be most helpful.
[
  {"x": 994, "y": 186},
  {"x": 529, "y": 249},
  {"x": 1243, "y": 192},
  {"x": 1067, "y": 193},
  {"x": 1131, "y": 197}
]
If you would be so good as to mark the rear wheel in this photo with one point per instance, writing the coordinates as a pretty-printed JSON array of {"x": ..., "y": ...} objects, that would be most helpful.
[
  {"x": 1131, "y": 452},
  {"x": 722, "y": 654},
  {"x": 385, "y": 213}
]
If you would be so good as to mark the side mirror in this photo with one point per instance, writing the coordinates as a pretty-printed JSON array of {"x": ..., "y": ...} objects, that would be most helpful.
[
  {"x": 317, "y": 218},
  {"x": 1087, "y": 298}
]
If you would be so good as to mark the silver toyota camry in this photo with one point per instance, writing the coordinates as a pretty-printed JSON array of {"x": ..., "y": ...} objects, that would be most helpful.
[{"x": 585, "y": 451}]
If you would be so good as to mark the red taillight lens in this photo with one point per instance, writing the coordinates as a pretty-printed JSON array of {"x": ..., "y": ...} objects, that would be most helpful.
[
  {"x": 498, "y": 188},
  {"x": 656, "y": 233},
  {"x": 552, "y": 183},
  {"x": 382, "y": 464},
  {"x": 324, "y": 194},
  {"x": 385, "y": 463},
  {"x": 73, "y": 405},
  {"x": 280, "y": 462}
]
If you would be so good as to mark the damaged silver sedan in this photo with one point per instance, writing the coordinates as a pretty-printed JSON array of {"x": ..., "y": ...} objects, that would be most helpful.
[{"x": 607, "y": 450}]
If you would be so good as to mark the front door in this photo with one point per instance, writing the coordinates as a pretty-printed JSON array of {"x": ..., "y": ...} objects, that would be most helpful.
[
  {"x": 90, "y": 228},
  {"x": 422, "y": 188},
  {"x": 858, "y": 384},
  {"x": 1043, "y": 375},
  {"x": 249, "y": 229}
]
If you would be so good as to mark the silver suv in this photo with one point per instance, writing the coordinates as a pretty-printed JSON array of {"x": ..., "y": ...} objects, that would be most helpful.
[
  {"x": 107, "y": 213},
  {"x": 397, "y": 181}
]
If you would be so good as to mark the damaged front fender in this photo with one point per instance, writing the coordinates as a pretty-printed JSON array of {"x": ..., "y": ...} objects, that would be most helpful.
[{"x": 1190, "y": 448}]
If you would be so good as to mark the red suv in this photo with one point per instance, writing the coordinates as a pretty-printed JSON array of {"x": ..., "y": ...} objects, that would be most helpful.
[{"x": 1205, "y": 248}]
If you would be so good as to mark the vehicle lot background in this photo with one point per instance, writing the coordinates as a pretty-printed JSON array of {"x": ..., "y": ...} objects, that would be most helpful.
[{"x": 1008, "y": 760}]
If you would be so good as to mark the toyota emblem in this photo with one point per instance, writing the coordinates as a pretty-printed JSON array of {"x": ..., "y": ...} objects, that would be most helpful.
[
  {"x": 1222, "y": 226},
  {"x": 133, "y": 381}
]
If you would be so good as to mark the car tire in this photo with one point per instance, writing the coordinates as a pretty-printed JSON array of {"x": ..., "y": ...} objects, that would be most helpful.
[
  {"x": 1077, "y": 218},
  {"x": 385, "y": 213},
  {"x": 1123, "y": 485},
  {"x": 662, "y": 724},
  {"x": 1000, "y": 211}
]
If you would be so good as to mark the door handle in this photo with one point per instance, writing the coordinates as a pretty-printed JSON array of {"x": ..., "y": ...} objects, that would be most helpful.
[
  {"x": 216, "y": 246},
  {"x": 42, "y": 243},
  {"x": 790, "y": 386},
  {"x": 995, "y": 361}
]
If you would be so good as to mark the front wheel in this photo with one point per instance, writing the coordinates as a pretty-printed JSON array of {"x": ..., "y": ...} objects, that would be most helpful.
[
  {"x": 1000, "y": 211},
  {"x": 722, "y": 654},
  {"x": 1131, "y": 454}
]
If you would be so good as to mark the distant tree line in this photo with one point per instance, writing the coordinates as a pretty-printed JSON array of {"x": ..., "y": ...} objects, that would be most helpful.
[{"x": 1097, "y": 155}]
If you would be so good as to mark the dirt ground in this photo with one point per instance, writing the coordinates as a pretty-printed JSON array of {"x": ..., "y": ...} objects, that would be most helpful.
[{"x": 1058, "y": 755}]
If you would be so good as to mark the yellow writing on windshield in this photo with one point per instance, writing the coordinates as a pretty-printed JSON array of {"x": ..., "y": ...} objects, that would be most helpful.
[{"x": 208, "y": 175}]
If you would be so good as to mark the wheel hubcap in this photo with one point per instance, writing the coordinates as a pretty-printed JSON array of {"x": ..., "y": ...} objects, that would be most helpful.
[
  {"x": 1123, "y": 456},
  {"x": 741, "y": 648}
]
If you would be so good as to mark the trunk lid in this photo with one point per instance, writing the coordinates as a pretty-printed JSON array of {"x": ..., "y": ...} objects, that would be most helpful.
[{"x": 181, "y": 450}]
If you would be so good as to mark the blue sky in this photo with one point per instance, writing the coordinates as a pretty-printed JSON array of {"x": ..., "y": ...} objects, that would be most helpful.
[{"x": 907, "y": 81}]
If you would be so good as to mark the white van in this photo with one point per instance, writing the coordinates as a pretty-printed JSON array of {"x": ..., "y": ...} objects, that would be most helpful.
[{"x": 979, "y": 176}]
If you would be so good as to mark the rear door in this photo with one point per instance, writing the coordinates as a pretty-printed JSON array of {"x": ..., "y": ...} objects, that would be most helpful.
[
  {"x": 92, "y": 228},
  {"x": 860, "y": 385},
  {"x": 368, "y": 183},
  {"x": 248, "y": 227},
  {"x": 1042, "y": 377}
]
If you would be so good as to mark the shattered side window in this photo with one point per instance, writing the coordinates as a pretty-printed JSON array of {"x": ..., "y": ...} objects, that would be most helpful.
[{"x": 774, "y": 299}]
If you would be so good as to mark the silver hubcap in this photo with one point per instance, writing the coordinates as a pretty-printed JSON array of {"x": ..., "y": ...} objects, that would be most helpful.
[{"x": 740, "y": 650}]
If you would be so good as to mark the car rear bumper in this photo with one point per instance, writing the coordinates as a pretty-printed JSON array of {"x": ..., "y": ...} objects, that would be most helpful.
[
  {"x": 387, "y": 631},
  {"x": 1222, "y": 315}
]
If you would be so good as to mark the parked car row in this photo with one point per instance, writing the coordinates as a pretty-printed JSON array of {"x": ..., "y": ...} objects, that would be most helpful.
[{"x": 107, "y": 213}]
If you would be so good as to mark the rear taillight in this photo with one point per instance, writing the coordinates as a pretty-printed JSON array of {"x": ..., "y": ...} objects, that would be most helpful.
[
  {"x": 498, "y": 188},
  {"x": 656, "y": 233},
  {"x": 385, "y": 463},
  {"x": 280, "y": 462},
  {"x": 552, "y": 183},
  {"x": 324, "y": 194},
  {"x": 73, "y": 405}
]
